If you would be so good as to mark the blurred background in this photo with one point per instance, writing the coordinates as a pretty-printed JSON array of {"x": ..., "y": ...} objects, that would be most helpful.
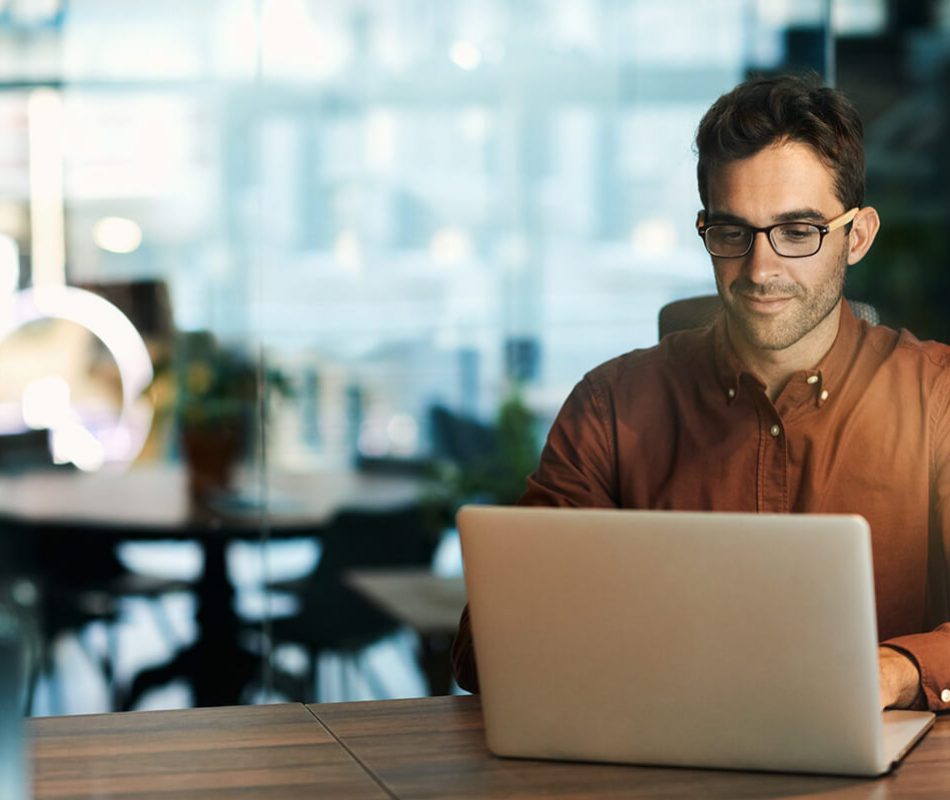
[{"x": 284, "y": 282}]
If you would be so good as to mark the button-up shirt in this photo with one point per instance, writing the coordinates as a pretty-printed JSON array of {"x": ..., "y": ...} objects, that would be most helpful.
[{"x": 684, "y": 425}]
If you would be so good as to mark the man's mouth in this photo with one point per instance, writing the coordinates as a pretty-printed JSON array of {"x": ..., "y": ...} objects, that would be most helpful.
[{"x": 764, "y": 304}]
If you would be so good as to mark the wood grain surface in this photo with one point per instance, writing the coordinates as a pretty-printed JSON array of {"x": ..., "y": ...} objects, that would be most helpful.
[
  {"x": 262, "y": 752},
  {"x": 412, "y": 749},
  {"x": 434, "y": 748}
]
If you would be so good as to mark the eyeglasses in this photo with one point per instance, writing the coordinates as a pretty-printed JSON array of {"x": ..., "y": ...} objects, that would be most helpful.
[{"x": 788, "y": 239}]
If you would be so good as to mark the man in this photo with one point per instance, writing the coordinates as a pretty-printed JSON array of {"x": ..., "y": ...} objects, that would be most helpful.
[{"x": 786, "y": 403}]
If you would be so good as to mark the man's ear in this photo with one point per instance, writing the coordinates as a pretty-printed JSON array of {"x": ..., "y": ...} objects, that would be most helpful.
[{"x": 864, "y": 228}]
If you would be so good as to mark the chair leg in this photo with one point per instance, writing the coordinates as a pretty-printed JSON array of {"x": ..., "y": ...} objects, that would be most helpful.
[
  {"x": 295, "y": 686},
  {"x": 103, "y": 662},
  {"x": 163, "y": 622},
  {"x": 37, "y": 661},
  {"x": 312, "y": 676},
  {"x": 145, "y": 681},
  {"x": 112, "y": 645},
  {"x": 54, "y": 687}
]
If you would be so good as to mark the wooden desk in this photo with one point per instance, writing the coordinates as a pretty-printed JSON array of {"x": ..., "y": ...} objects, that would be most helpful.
[
  {"x": 239, "y": 752},
  {"x": 430, "y": 604},
  {"x": 429, "y": 748},
  {"x": 435, "y": 748}
]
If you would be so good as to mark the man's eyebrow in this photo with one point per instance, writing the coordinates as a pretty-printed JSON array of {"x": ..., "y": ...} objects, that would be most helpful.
[
  {"x": 796, "y": 215},
  {"x": 805, "y": 214}
]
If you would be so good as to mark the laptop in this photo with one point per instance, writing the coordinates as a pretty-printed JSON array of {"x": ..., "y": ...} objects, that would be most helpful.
[{"x": 723, "y": 640}]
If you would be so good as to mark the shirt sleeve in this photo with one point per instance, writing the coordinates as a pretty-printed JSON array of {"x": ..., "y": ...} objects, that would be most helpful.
[
  {"x": 578, "y": 463},
  {"x": 576, "y": 469},
  {"x": 463, "y": 655},
  {"x": 930, "y": 651}
]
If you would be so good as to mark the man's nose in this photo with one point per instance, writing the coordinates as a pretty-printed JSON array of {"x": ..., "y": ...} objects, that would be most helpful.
[{"x": 762, "y": 263}]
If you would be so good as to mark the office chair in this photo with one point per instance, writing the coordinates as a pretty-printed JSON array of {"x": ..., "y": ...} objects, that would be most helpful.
[
  {"x": 334, "y": 618},
  {"x": 83, "y": 577},
  {"x": 700, "y": 311}
]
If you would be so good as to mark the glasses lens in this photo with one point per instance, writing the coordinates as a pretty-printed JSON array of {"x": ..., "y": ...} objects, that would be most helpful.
[
  {"x": 728, "y": 240},
  {"x": 796, "y": 239}
]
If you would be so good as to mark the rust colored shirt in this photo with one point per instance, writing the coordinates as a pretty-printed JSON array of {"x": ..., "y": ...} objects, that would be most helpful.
[{"x": 684, "y": 426}]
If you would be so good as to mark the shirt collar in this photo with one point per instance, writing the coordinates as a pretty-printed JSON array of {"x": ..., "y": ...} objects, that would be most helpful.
[{"x": 825, "y": 377}]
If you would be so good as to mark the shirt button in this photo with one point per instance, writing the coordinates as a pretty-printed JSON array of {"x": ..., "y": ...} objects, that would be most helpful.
[
  {"x": 811, "y": 379},
  {"x": 775, "y": 430},
  {"x": 945, "y": 696},
  {"x": 824, "y": 394},
  {"x": 731, "y": 393}
]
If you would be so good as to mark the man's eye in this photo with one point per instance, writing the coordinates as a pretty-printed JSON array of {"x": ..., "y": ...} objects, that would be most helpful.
[
  {"x": 796, "y": 233},
  {"x": 731, "y": 234}
]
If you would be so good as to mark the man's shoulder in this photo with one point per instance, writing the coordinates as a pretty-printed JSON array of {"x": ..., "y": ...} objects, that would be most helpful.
[
  {"x": 921, "y": 367},
  {"x": 906, "y": 345}
]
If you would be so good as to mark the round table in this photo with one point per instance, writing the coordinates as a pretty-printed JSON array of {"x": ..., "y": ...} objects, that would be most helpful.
[{"x": 152, "y": 502}]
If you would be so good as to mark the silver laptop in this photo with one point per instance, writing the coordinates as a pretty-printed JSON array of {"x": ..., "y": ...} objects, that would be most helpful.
[{"x": 740, "y": 641}]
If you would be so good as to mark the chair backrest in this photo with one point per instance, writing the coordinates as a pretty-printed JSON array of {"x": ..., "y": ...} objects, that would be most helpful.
[
  {"x": 399, "y": 537},
  {"x": 698, "y": 312},
  {"x": 334, "y": 615},
  {"x": 461, "y": 439}
]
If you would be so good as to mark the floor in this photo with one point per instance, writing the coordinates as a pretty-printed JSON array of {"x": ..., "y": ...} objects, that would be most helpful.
[{"x": 147, "y": 635}]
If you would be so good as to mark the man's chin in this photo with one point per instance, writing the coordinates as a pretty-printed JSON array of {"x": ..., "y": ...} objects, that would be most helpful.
[
  {"x": 778, "y": 342},
  {"x": 763, "y": 334}
]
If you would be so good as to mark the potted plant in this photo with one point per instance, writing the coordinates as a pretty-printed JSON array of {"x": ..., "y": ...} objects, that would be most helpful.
[
  {"x": 507, "y": 453},
  {"x": 218, "y": 392}
]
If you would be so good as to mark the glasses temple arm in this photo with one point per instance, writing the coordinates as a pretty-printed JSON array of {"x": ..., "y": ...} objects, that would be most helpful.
[{"x": 844, "y": 219}]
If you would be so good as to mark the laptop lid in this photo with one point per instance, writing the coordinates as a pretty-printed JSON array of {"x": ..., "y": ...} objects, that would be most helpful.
[{"x": 729, "y": 640}]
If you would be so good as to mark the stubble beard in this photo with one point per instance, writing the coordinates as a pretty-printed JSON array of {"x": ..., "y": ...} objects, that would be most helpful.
[{"x": 805, "y": 312}]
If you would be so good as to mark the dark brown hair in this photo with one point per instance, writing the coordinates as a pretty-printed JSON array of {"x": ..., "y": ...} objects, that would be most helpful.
[{"x": 763, "y": 111}]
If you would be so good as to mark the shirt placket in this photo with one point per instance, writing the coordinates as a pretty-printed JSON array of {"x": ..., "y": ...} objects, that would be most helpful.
[{"x": 772, "y": 463}]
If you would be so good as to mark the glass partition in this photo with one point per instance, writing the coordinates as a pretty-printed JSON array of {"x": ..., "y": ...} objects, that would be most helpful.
[{"x": 332, "y": 268}]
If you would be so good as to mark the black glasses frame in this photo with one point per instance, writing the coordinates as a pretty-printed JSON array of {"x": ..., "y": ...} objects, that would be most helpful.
[{"x": 823, "y": 230}]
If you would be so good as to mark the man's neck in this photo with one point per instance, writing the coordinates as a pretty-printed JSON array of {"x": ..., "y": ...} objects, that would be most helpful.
[{"x": 775, "y": 367}]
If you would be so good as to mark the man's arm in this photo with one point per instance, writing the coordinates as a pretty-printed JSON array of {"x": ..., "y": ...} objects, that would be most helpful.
[
  {"x": 925, "y": 669},
  {"x": 928, "y": 655},
  {"x": 899, "y": 678},
  {"x": 576, "y": 469},
  {"x": 463, "y": 655}
]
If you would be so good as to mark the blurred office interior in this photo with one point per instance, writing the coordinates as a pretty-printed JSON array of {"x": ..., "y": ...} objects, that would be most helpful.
[{"x": 283, "y": 282}]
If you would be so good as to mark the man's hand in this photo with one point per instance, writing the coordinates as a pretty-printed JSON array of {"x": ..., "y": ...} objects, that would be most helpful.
[{"x": 900, "y": 679}]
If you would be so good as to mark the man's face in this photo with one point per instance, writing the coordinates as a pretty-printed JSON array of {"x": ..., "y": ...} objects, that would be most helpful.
[{"x": 773, "y": 302}]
